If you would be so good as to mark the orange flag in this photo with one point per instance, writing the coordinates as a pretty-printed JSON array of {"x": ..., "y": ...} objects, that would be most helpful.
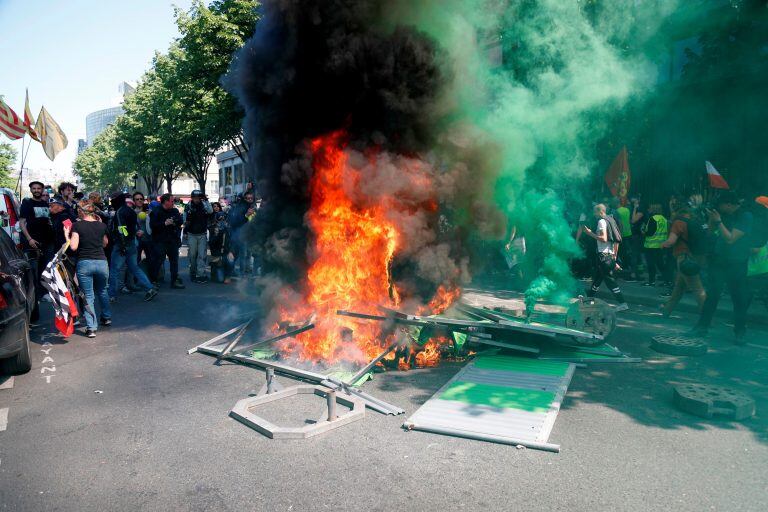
[{"x": 618, "y": 177}]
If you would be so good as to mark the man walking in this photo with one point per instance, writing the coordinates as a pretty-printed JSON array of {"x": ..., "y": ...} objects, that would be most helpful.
[
  {"x": 67, "y": 195},
  {"x": 125, "y": 231},
  {"x": 198, "y": 215},
  {"x": 38, "y": 233},
  {"x": 732, "y": 227},
  {"x": 166, "y": 223},
  {"x": 607, "y": 236}
]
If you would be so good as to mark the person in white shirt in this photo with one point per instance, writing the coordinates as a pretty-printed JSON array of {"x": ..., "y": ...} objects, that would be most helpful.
[{"x": 607, "y": 249}]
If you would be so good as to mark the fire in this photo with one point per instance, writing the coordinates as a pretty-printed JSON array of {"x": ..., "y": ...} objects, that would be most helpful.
[
  {"x": 350, "y": 254},
  {"x": 430, "y": 353}
]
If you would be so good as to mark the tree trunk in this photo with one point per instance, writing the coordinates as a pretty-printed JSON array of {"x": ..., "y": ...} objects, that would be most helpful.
[
  {"x": 201, "y": 184},
  {"x": 169, "y": 183}
]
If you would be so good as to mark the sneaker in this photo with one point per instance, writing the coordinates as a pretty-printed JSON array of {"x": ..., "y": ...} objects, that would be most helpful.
[
  {"x": 112, "y": 300},
  {"x": 151, "y": 294},
  {"x": 90, "y": 333},
  {"x": 106, "y": 322},
  {"x": 201, "y": 279},
  {"x": 178, "y": 284},
  {"x": 621, "y": 307},
  {"x": 649, "y": 284},
  {"x": 665, "y": 293},
  {"x": 126, "y": 290}
]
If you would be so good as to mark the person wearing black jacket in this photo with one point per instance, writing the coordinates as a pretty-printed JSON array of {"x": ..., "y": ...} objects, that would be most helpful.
[
  {"x": 198, "y": 215},
  {"x": 166, "y": 223},
  {"x": 125, "y": 231}
]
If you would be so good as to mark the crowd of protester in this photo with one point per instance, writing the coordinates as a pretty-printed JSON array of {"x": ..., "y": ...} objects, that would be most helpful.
[
  {"x": 119, "y": 245},
  {"x": 686, "y": 245}
]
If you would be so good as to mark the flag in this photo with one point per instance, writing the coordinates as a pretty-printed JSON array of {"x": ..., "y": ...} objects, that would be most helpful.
[
  {"x": 62, "y": 298},
  {"x": 618, "y": 177},
  {"x": 51, "y": 136},
  {"x": 10, "y": 123},
  {"x": 28, "y": 120},
  {"x": 715, "y": 180}
]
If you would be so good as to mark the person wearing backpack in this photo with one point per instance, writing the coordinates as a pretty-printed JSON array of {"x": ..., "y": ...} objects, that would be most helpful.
[
  {"x": 688, "y": 242},
  {"x": 608, "y": 237},
  {"x": 656, "y": 232}
]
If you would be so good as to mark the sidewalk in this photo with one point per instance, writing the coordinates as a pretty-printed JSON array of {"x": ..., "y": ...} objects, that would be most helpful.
[{"x": 636, "y": 293}]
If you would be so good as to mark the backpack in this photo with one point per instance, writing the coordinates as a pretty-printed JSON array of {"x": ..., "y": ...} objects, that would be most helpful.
[
  {"x": 697, "y": 240},
  {"x": 613, "y": 231}
]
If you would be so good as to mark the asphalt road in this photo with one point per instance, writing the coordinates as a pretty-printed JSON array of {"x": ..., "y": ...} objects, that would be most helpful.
[{"x": 129, "y": 421}]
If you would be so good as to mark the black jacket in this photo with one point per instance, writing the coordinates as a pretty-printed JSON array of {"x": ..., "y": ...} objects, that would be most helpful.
[
  {"x": 197, "y": 219},
  {"x": 161, "y": 232}
]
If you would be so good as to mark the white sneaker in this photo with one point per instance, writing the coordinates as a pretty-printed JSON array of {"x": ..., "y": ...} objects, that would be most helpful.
[{"x": 621, "y": 307}]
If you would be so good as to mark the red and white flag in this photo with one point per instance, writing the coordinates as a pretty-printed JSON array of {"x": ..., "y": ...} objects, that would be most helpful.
[
  {"x": 715, "y": 180},
  {"x": 10, "y": 123}
]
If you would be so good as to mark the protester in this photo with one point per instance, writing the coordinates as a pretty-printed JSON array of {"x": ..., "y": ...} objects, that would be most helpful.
[
  {"x": 656, "y": 231},
  {"x": 240, "y": 214},
  {"x": 607, "y": 236},
  {"x": 687, "y": 242},
  {"x": 144, "y": 239},
  {"x": 626, "y": 253},
  {"x": 728, "y": 266},
  {"x": 125, "y": 231},
  {"x": 88, "y": 238},
  {"x": 58, "y": 213},
  {"x": 221, "y": 253},
  {"x": 198, "y": 215},
  {"x": 757, "y": 270},
  {"x": 67, "y": 193},
  {"x": 514, "y": 252},
  {"x": 38, "y": 233},
  {"x": 165, "y": 222}
]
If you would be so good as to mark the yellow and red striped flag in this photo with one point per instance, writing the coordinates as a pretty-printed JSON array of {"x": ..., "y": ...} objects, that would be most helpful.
[
  {"x": 28, "y": 120},
  {"x": 10, "y": 123}
]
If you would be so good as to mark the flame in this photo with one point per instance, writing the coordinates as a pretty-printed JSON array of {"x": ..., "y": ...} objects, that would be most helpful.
[
  {"x": 350, "y": 254},
  {"x": 430, "y": 352}
]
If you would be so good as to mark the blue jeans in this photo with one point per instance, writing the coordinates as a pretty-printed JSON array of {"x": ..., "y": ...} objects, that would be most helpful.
[
  {"x": 92, "y": 275},
  {"x": 119, "y": 261}
]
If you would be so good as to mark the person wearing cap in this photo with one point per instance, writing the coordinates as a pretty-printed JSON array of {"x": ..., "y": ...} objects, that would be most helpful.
[
  {"x": 125, "y": 231},
  {"x": 39, "y": 238},
  {"x": 198, "y": 215},
  {"x": 59, "y": 213},
  {"x": 166, "y": 222},
  {"x": 732, "y": 227}
]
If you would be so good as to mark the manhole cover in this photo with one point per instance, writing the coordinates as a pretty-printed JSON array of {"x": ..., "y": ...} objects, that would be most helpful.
[
  {"x": 706, "y": 400},
  {"x": 678, "y": 345}
]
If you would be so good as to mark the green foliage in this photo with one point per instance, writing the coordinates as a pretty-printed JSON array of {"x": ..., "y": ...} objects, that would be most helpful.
[
  {"x": 7, "y": 164},
  {"x": 99, "y": 167},
  {"x": 179, "y": 115}
]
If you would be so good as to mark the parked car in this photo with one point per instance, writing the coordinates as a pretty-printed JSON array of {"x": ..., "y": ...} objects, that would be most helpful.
[
  {"x": 9, "y": 214},
  {"x": 17, "y": 299}
]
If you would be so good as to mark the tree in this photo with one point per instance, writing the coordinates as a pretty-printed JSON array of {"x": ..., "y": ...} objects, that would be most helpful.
[
  {"x": 7, "y": 164},
  {"x": 207, "y": 116},
  {"x": 98, "y": 166}
]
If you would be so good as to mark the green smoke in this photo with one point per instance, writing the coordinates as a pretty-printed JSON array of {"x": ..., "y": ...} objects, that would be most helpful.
[{"x": 540, "y": 81}]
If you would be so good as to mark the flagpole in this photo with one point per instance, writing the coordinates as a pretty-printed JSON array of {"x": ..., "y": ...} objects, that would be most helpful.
[{"x": 24, "y": 155}]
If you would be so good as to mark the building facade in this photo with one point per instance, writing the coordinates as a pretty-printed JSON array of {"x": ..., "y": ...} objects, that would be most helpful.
[
  {"x": 97, "y": 122},
  {"x": 231, "y": 177}
]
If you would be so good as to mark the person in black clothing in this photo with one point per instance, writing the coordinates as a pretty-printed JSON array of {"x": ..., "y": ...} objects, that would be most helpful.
[
  {"x": 198, "y": 215},
  {"x": 125, "y": 231},
  {"x": 728, "y": 263},
  {"x": 166, "y": 225},
  {"x": 87, "y": 238},
  {"x": 59, "y": 213},
  {"x": 67, "y": 197},
  {"x": 38, "y": 233}
]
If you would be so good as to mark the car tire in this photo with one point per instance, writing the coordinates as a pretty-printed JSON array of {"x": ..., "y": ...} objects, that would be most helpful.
[{"x": 21, "y": 362}]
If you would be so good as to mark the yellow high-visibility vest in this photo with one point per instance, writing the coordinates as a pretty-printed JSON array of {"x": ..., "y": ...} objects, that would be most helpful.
[{"x": 660, "y": 236}]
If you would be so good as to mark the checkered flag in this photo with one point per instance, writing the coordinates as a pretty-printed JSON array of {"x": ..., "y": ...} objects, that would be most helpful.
[{"x": 61, "y": 296}]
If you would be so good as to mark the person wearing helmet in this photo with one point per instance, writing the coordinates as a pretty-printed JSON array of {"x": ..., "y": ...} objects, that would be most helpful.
[{"x": 198, "y": 215}]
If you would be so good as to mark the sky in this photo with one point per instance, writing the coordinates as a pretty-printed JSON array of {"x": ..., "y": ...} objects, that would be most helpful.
[{"x": 72, "y": 55}]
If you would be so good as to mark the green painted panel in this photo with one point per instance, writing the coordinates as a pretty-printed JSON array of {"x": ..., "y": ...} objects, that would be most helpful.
[
  {"x": 517, "y": 364},
  {"x": 499, "y": 396}
]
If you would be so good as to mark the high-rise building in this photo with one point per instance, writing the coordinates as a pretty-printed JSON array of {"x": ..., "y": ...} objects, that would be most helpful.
[{"x": 97, "y": 122}]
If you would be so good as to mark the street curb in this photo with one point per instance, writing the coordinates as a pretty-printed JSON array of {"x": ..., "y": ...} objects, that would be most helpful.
[{"x": 752, "y": 318}]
